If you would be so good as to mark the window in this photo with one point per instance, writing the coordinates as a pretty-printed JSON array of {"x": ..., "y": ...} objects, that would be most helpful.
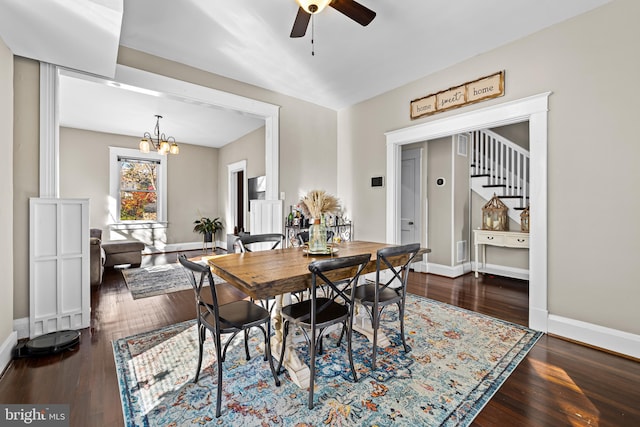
[
  {"x": 138, "y": 189},
  {"x": 138, "y": 186}
]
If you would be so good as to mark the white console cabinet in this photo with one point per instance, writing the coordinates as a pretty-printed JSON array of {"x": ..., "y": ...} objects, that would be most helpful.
[{"x": 507, "y": 239}]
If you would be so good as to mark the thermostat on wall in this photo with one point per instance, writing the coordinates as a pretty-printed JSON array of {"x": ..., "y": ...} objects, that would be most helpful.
[{"x": 377, "y": 181}]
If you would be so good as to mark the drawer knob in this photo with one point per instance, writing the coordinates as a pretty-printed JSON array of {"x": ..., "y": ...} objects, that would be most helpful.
[
  {"x": 521, "y": 240},
  {"x": 489, "y": 237}
]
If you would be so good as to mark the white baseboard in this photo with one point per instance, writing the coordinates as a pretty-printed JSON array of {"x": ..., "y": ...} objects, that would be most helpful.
[
  {"x": 447, "y": 270},
  {"x": 6, "y": 350},
  {"x": 595, "y": 335},
  {"x": 501, "y": 270},
  {"x": 21, "y": 326}
]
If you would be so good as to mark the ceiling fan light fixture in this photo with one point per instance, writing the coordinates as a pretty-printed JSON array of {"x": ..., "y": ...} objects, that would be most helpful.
[{"x": 313, "y": 6}]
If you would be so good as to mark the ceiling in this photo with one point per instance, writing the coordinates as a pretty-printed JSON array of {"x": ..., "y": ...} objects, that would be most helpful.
[{"x": 248, "y": 40}]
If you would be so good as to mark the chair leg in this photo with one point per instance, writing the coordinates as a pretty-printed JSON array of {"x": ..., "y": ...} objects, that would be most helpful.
[
  {"x": 285, "y": 332},
  {"x": 401, "y": 312},
  {"x": 312, "y": 366},
  {"x": 349, "y": 349},
  {"x": 267, "y": 353},
  {"x": 341, "y": 335},
  {"x": 246, "y": 344},
  {"x": 374, "y": 325},
  {"x": 201, "y": 338},
  {"x": 216, "y": 339}
]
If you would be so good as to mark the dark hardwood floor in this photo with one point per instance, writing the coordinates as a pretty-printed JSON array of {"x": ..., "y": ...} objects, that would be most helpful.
[{"x": 558, "y": 384}]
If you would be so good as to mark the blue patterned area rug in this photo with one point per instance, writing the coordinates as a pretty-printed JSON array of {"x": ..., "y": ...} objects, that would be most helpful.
[
  {"x": 458, "y": 360},
  {"x": 157, "y": 280}
]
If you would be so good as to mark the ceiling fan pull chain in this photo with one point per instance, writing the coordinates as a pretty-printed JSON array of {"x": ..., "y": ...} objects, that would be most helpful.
[{"x": 313, "y": 49}]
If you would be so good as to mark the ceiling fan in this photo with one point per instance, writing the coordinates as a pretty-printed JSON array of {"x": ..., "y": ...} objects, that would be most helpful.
[{"x": 350, "y": 8}]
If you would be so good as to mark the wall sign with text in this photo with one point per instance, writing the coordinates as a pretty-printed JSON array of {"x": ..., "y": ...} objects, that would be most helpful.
[{"x": 469, "y": 93}]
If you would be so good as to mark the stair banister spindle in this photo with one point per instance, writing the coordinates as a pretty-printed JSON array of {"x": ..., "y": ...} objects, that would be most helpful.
[
  {"x": 507, "y": 167},
  {"x": 519, "y": 181},
  {"x": 501, "y": 163},
  {"x": 493, "y": 161},
  {"x": 482, "y": 154},
  {"x": 525, "y": 190}
]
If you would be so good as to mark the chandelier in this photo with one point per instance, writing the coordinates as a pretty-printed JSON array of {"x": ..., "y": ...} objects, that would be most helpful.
[{"x": 161, "y": 143}]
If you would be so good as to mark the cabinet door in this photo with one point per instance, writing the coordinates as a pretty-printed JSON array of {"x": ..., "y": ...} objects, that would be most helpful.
[{"x": 59, "y": 290}]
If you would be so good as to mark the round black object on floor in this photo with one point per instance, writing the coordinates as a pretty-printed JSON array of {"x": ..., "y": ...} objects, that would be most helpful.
[{"x": 48, "y": 344}]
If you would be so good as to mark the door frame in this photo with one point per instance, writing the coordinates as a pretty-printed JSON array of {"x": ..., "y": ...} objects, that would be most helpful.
[{"x": 533, "y": 109}]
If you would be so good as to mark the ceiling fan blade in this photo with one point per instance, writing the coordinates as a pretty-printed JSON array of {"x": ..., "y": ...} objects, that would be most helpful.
[
  {"x": 362, "y": 15},
  {"x": 300, "y": 24}
]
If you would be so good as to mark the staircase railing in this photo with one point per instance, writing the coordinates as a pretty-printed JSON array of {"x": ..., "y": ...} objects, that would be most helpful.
[{"x": 505, "y": 164}]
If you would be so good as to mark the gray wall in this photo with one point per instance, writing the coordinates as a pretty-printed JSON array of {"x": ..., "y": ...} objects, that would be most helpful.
[
  {"x": 439, "y": 200},
  {"x": 251, "y": 148},
  {"x": 588, "y": 64},
  {"x": 6, "y": 193}
]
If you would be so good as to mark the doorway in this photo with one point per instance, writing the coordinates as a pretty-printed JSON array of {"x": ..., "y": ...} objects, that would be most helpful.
[
  {"x": 237, "y": 195},
  {"x": 534, "y": 109}
]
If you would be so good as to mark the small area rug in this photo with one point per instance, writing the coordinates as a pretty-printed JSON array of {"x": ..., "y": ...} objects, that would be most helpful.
[
  {"x": 157, "y": 280},
  {"x": 458, "y": 360}
]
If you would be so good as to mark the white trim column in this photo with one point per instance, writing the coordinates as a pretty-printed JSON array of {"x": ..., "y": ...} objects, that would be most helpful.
[{"x": 49, "y": 131}]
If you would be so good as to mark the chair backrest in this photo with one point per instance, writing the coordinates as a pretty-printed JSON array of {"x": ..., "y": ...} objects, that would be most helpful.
[
  {"x": 197, "y": 275},
  {"x": 303, "y": 237},
  {"x": 400, "y": 273},
  {"x": 253, "y": 242},
  {"x": 342, "y": 288}
]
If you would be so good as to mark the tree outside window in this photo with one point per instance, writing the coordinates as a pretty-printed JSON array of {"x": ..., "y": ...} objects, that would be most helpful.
[{"x": 138, "y": 190}]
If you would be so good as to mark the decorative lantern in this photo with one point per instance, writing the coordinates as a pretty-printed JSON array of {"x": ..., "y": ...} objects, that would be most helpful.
[
  {"x": 524, "y": 220},
  {"x": 494, "y": 215}
]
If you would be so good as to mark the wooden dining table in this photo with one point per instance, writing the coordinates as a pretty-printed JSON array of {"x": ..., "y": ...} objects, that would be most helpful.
[{"x": 278, "y": 273}]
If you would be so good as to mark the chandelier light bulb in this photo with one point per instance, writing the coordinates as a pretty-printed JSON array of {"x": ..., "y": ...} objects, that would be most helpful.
[{"x": 144, "y": 145}]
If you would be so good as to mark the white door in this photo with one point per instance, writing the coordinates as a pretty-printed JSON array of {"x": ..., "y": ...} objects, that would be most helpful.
[{"x": 410, "y": 216}]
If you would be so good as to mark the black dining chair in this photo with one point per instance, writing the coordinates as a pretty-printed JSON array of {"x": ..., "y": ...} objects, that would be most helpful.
[
  {"x": 261, "y": 242},
  {"x": 231, "y": 318},
  {"x": 316, "y": 314},
  {"x": 255, "y": 242},
  {"x": 376, "y": 296}
]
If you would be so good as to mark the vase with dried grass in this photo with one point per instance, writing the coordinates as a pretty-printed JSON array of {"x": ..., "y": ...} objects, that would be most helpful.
[{"x": 316, "y": 204}]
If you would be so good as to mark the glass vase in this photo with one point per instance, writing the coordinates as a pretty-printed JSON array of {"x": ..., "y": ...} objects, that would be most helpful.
[{"x": 318, "y": 237}]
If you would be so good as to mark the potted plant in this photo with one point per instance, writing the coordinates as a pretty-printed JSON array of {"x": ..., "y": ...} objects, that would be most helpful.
[{"x": 207, "y": 227}]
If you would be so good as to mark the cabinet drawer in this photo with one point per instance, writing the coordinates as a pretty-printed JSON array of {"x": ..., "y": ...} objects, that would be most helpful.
[
  {"x": 517, "y": 241},
  {"x": 491, "y": 239}
]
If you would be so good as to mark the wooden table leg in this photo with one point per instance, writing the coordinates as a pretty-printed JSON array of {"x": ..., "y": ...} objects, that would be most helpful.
[
  {"x": 298, "y": 371},
  {"x": 362, "y": 324}
]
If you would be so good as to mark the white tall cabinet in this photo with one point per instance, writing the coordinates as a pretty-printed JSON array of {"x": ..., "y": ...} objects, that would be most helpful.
[{"x": 59, "y": 290}]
